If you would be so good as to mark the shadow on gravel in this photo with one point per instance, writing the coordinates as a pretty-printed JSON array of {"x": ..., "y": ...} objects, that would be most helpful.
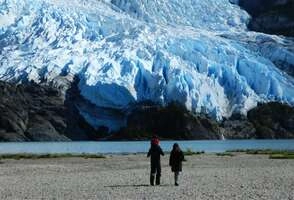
[{"x": 139, "y": 185}]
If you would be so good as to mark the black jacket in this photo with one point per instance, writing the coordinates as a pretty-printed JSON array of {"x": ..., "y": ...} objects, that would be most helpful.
[
  {"x": 175, "y": 160},
  {"x": 155, "y": 151}
]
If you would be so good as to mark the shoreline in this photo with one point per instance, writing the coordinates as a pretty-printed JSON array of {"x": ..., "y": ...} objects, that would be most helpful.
[
  {"x": 148, "y": 140},
  {"x": 187, "y": 152}
]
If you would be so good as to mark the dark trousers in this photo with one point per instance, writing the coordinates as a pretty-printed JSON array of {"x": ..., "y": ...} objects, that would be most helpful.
[{"x": 155, "y": 170}]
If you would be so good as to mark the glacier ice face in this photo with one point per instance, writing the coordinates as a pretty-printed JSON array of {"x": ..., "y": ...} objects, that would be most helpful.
[{"x": 198, "y": 53}]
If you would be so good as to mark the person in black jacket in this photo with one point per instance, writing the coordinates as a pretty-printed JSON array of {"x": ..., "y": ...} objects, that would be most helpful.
[
  {"x": 154, "y": 153},
  {"x": 175, "y": 161}
]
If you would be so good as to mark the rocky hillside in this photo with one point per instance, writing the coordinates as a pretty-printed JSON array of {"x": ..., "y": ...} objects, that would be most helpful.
[
  {"x": 32, "y": 112},
  {"x": 271, "y": 16},
  {"x": 266, "y": 121},
  {"x": 273, "y": 120},
  {"x": 173, "y": 121}
]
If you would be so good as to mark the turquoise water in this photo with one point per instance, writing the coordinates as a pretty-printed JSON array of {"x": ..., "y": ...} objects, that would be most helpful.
[{"x": 142, "y": 146}]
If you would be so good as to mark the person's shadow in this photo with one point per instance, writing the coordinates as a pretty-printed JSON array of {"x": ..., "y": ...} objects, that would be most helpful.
[{"x": 135, "y": 185}]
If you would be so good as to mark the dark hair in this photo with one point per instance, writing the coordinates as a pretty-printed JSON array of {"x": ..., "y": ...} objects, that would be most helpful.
[{"x": 176, "y": 147}]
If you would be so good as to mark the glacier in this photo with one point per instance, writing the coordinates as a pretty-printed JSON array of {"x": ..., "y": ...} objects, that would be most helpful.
[{"x": 123, "y": 52}]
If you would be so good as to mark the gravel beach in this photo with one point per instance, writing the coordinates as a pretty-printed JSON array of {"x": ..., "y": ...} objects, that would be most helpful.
[{"x": 206, "y": 176}]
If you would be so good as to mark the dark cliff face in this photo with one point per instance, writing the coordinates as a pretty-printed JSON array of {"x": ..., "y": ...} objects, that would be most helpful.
[
  {"x": 257, "y": 7},
  {"x": 267, "y": 121},
  {"x": 273, "y": 120},
  {"x": 31, "y": 112},
  {"x": 270, "y": 16},
  {"x": 175, "y": 122},
  {"x": 171, "y": 122}
]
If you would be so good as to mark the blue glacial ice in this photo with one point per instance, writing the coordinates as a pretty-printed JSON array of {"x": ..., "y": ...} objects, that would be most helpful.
[{"x": 196, "y": 52}]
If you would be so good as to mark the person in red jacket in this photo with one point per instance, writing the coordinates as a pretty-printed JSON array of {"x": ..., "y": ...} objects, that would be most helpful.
[
  {"x": 175, "y": 161},
  {"x": 154, "y": 153}
]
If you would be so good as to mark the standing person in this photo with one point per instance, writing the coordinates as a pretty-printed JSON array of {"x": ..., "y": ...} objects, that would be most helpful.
[
  {"x": 175, "y": 161},
  {"x": 155, "y": 151}
]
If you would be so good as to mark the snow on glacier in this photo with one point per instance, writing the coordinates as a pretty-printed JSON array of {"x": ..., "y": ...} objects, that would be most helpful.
[{"x": 198, "y": 53}]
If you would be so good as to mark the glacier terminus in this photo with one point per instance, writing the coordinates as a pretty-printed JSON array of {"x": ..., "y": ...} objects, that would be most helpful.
[{"x": 123, "y": 52}]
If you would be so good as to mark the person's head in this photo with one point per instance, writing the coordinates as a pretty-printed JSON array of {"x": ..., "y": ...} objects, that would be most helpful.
[
  {"x": 176, "y": 147},
  {"x": 154, "y": 136},
  {"x": 154, "y": 140}
]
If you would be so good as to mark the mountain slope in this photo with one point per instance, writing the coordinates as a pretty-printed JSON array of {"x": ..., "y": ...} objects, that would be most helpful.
[
  {"x": 271, "y": 16},
  {"x": 123, "y": 52},
  {"x": 32, "y": 112}
]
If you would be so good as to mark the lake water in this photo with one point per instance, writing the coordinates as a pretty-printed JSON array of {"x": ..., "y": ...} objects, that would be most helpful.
[{"x": 142, "y": 146}]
